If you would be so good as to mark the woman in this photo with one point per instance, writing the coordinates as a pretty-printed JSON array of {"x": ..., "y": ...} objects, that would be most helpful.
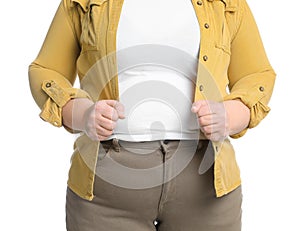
[{"x": 154, "y": 109}]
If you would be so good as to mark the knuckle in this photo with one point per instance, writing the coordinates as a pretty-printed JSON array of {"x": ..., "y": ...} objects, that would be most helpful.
[
  {"x": 109, "y": 112},
  {"x": 207, "y": 129},
  {"x": 104, "y": 132},
  {"x": 201, "y": 120},
  {"x": 98, "y": 105},
  {"x": 107, "y": 133},
  {"x": 206, "y": 110},
  {"x": 101, "y": 120}
]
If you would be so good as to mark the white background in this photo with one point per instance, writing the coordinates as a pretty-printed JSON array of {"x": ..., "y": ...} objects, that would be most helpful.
[{"x": 35, "y": 157}]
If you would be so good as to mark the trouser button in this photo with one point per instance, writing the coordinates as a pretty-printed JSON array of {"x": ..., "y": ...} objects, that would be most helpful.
[{"x": 166, "y": 141}]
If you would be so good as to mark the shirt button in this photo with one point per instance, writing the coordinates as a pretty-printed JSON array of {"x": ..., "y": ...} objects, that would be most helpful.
[
  {"x": 201, "y": 88},
  {"x": 48, "y": 85},
  {"x": 261, "y": 88},
  {"x": 217, "y": 149},
  {"x": 205, "y": 58},
  {"x": 199, "y": 3},
  {"x": 206, "y": 25}
]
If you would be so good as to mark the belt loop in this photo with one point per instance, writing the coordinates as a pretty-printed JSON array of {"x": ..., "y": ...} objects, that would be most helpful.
[{"x": 116, "y": 145}]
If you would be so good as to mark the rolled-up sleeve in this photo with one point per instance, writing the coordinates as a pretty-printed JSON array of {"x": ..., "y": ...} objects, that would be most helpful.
[
  {"x": 52, "y": 74},
  {"x": 251, "y": 77}
]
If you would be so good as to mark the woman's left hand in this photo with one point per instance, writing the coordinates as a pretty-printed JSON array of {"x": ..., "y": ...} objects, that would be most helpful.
[{"x": 217, "y": 120}]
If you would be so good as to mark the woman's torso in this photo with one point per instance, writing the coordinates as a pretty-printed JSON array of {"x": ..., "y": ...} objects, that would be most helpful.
[{"x": 157, "y": 83}]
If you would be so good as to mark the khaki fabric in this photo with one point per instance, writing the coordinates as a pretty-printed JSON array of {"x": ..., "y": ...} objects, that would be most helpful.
[{"x": 185, "y": 202}]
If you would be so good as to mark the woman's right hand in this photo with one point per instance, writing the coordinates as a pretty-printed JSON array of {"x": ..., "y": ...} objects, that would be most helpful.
[
  {"x": 97, "y": 120},
  {"x": 101, "y": 119}
]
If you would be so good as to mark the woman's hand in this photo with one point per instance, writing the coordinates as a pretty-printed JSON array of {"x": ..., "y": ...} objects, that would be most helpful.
[
  {"x": 101, "y": 119},
  {"x": 218, "y": 120},
  {"x": 97, "y": 120}
]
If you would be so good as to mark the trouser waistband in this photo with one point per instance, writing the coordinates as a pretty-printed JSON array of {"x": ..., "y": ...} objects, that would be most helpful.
[{"x": 153, "y": 145}]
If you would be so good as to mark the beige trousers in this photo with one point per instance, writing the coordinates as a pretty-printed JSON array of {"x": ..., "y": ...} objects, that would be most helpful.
[{"x": 148, "y": 186}]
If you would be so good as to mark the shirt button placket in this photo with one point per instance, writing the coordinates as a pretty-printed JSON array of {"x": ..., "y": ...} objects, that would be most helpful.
[{"x": 206, "y": 25}]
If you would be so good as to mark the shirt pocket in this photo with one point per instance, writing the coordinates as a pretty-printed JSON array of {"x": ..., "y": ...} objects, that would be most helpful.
[
  {"x": 92, "y": 20},
  {"x": 223, "y": 32},
  {"x": 223, "y": 42}
]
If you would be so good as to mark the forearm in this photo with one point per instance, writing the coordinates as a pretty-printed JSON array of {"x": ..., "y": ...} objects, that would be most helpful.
[
  {"x": 251, "y": 77},
  {"x": 73, "y": 113},
  {"x": 238, "y": 116}
]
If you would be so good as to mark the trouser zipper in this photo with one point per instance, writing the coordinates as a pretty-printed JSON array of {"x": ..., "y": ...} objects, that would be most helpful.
[{"x": 160, "y": 203}]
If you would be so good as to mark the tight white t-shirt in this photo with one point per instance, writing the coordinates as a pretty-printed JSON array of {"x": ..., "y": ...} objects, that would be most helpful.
[{"x": 157, "y": 50}]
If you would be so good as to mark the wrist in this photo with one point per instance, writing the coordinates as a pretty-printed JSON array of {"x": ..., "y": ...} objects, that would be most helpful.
[
  {"x": 73, "y": 113},
  {"x": 238, "y": 116}
]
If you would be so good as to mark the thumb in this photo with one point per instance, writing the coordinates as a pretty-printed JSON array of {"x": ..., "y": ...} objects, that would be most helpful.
[{"x": 120, "y": 110}]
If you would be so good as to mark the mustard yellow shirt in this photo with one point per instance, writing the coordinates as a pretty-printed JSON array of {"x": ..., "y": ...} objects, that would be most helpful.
[{"x": 83, "y": 33}]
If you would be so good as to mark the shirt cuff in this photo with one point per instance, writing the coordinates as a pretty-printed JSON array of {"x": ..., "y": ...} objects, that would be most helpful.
[
  {"x": 254, "y": 100},
  {"x": 58, "y": 97}
]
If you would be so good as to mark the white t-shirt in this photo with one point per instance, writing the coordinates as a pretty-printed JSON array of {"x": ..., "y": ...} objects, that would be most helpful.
[{"x": 157, "y": 54}]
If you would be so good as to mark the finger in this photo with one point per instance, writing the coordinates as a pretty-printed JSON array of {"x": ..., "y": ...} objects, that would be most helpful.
[
  {"x": 103, "y": 132},
  {"x": 98, "y": 134},
  {"x": 108, "y": 124},
  {"x": 215, "y": 137},
  {"x": 119, "y": 112},
  {"x": 197, "y": 105},
  {"x": 214, "y": 132},
  {"x": 213, "y": 128},
  {"x": 202, "y": 107},
  {"x": 212, "y": 136},
  {"x": 101, "y": 138},
  {"x": 109, "y": 112},
  {"x": 111, "y": 102},
  {"x": 92, "y": 134},
  {"x": 207, "y": 129},
  {"x": 217, "y": 108},
  {"x": 206, "y": 120},
  {"x": 211, "y": 120}
]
